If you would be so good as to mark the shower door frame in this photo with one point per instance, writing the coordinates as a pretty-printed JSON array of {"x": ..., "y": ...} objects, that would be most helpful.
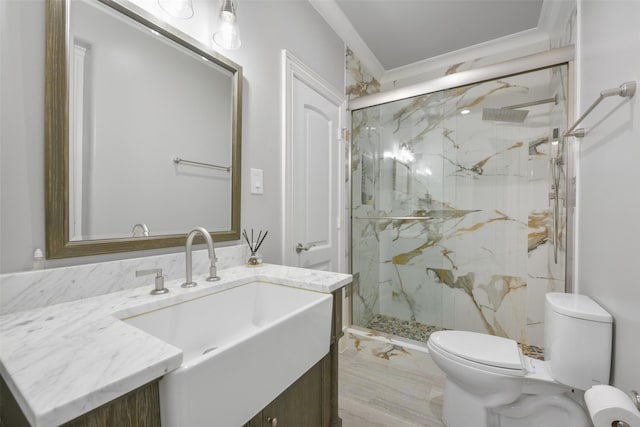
[{"x": 530, "y": 63}]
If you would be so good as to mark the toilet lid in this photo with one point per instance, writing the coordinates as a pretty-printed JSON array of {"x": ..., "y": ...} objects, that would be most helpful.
[{"x": 481, "y": 348}]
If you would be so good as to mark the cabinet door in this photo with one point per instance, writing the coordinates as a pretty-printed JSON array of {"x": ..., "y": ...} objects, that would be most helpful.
[
  {"x": 305, "y": 403},
  {"x": 137, "y": 408},
  {"x": 255, "y": 421}
]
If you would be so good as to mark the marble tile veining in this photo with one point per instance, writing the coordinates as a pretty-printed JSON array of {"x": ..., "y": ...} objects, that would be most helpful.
[
  {"x": 417, "y": 331},
  {"x": 479, "y": 232},
  {"x": 63, "y": 360},
  {"x": 359, "y": 81},
  {"x": 32, "y": 289}
]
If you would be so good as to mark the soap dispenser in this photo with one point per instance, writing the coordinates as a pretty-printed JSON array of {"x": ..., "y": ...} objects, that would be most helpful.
[{"x": 38, "y": 259}]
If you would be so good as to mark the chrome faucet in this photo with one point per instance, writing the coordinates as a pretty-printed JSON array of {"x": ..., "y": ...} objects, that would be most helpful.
[
  {"x": 213, "y": 276},
  {"x": 159, "y": 289}
]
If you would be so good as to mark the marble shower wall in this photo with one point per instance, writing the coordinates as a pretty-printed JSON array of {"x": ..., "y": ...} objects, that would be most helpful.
[
  {"x": 475, "y": 253},
  {"x": 359, "y": 81}
]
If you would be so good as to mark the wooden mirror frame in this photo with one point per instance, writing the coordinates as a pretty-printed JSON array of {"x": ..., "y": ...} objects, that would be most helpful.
[{"x": 58, "y": 244}]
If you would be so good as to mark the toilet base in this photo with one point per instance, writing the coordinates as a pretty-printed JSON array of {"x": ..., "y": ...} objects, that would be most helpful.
[
  {"x": 558, "y": 410},
  {"x": 463, "y": 409}
]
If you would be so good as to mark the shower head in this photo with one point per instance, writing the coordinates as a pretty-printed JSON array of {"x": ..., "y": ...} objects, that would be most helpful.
[
  {"x": 504, "y": 115},
  {"x": 512, "y": 113}
]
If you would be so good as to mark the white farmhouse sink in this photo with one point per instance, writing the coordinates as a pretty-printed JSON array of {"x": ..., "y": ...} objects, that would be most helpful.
[{"x": 242, "y": 348}]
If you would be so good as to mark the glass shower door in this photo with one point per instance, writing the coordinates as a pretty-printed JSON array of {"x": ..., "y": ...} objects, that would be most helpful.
[
  {"x": 397, "y": 188},
  {"x": 452, "y": 222}
]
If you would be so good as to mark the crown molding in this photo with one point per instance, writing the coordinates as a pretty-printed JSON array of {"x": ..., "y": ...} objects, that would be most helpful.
[
  {"x": 553, "y": 12},
  {"x": 331, "y": 12},
  {"x": 513, "y": 66},
  {"x": 502, "y": 44}
]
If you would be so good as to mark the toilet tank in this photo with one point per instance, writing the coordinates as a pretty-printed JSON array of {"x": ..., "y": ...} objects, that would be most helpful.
[{"x": 577, "y": 340}]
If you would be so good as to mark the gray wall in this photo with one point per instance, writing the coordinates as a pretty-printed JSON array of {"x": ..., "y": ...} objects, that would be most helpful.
[
  {"x": 608, "y": 243},
  {"x": 266, "y": 29},
  {"x": 21, "y": 132}
]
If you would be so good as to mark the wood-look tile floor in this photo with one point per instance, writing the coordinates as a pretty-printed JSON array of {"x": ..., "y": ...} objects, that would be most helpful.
[{"x": 386, "y": 385}]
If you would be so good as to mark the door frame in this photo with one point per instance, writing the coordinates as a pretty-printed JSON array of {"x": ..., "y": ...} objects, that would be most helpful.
[{"x": 292, "y": 69}]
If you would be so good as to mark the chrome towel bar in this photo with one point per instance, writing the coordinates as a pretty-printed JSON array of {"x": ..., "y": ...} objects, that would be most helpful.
[
  {"x": 178, "y": 160},
  {"x": 626, "y": 90}
]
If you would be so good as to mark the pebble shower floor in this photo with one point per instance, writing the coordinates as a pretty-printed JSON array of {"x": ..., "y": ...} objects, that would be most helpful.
[{"x": 420, "y": 332}]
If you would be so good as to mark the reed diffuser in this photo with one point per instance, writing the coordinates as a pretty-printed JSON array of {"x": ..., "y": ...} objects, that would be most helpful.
[{"x": 254, "y": 246}]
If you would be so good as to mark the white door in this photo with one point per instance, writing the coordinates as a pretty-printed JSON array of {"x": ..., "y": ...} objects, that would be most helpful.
[{"x": 313, "y": 191}]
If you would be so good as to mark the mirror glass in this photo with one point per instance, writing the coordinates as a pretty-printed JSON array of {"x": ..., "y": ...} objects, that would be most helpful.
[{"x": 152, "y": 143}]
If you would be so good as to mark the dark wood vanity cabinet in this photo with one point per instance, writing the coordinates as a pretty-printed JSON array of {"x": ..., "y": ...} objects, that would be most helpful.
[
  {"x": 312, "y": 401},
  {"x": 304, "y": 403},
  {"x": 138, "y": 408}
]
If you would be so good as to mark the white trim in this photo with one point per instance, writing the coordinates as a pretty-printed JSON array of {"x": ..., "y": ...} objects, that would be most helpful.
[
  {"x": 333, "y": 15},
  {"x": 489, "y": 72},
  {"x": 571, "y": 174},
  {"x": 502, "y": 44},
  {"x": 554, "y": 15},
  {"x": 76, "y": 152},
  {"x": 577, "y": 86},
  {"x": 293, "y": 68},
  {"x": 552, "y": 10},
  {"x": 343, "y": 223}
]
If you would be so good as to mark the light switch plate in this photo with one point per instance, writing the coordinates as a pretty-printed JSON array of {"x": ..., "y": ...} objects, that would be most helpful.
[{"x": 257, "y": 182}]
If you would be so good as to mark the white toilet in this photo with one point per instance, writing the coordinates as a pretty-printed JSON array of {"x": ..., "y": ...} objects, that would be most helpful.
[{"x": 490, "y": 383}]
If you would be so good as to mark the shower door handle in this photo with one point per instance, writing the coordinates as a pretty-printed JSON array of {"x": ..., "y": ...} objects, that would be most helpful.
[
  {"x": 554, "y": 196},
  {"x": 300, "y": 248}
]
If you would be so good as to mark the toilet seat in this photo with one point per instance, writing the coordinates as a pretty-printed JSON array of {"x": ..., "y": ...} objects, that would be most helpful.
[
  {"x": 481, "y": 351},
  {"x": 489, "y": 382}
]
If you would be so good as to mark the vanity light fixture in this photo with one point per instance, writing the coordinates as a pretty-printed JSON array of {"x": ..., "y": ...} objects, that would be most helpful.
[
  {"x": 465, "y": 111},
  {"x": 182, "y": 9},
  {"x": 227, "y": 35}
]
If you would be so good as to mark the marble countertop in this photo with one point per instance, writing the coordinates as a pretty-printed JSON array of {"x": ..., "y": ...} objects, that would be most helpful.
[{"x": 64, "y": 360}]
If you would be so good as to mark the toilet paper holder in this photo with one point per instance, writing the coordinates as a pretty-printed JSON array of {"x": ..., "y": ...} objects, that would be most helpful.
[{"x": 635, "y": 398}]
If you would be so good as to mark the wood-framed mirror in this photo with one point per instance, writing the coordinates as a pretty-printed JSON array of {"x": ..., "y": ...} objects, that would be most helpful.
[{"x": 142, "y": 132}]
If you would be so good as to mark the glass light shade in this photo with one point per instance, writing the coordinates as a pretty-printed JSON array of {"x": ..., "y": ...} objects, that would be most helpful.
[
  {"x": 182, "y": 9},
  {"x": 228, "y": 34}
]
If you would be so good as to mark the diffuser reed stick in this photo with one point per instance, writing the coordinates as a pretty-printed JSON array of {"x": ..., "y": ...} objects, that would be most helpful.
[{"x": 254, "y": 245}]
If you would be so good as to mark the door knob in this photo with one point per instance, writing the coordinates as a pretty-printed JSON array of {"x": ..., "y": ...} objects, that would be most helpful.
[{"x": 300, "y": 248}]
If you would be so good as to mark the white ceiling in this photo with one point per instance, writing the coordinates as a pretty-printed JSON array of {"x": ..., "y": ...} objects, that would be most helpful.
[
  {"x": 401, "y": 32},
  {"x": 393, "y": 35}
]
